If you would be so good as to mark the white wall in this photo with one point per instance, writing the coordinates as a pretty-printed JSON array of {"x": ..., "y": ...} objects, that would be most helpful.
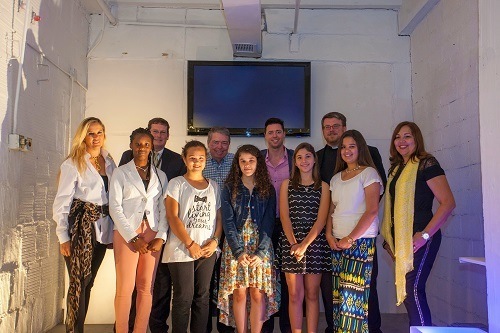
[
  {"x": 360, "y": 67},
  {"x": 489, "y": 86},
  {"x": 444, "y": 56},
  {"x": 31, "y": 269}
]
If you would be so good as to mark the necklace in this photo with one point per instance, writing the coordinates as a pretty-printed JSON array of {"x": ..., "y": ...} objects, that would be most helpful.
[
  {"x": 145, "y": 169},
  {"x": 96, "y": 161},
  {"x": 353, "y": 169}
]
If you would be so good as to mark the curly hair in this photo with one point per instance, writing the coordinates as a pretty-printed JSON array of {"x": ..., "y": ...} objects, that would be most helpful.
[
  {"x": 364, "y": 157},
  {"x": 295, "y": 176},
  {"x": 141, "y": 131},
  {"x": 261, "y": 176}
]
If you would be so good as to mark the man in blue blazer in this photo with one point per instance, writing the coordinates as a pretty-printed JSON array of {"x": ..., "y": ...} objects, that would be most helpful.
[
  {"x": 172, "y": 164},
  {"x": 334, "y": 124}
]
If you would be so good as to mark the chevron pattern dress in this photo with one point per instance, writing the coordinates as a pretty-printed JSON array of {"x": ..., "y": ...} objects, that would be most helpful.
[{"x": 303, "y": 204}]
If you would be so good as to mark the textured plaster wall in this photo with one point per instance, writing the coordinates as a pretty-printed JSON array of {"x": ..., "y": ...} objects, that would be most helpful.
[{"x": 31, "y": 269}]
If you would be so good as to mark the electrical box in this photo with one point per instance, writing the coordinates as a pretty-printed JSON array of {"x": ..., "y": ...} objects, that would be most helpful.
[{"x": 20, "y": 142}]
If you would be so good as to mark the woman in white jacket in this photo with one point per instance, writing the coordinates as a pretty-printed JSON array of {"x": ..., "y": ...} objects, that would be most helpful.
[
  {"x": 81, "y": 212},
  {"x": 136, "y": 204}
]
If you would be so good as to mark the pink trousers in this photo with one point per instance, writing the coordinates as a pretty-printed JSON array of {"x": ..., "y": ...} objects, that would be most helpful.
[{"x": 134, "y": 269}]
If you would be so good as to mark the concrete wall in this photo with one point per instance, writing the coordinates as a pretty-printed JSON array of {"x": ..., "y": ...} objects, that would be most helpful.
[
  {"x": 444, "y": 56},
  {"x": 31, "y": 269}
]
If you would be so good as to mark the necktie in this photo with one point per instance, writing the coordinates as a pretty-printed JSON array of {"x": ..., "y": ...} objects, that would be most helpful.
[{"x": 156, "y": 159}]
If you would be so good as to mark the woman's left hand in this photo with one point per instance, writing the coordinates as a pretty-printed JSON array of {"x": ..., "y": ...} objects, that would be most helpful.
[
  {"x": 209, "y": 248},
  {"x": 155, "y": 245},
  {"x": 298, "y": 250},
  {"x": 418, "y": 241},
  {"x": 344, "y": 244},
  {"x": 254, "y": 260}
]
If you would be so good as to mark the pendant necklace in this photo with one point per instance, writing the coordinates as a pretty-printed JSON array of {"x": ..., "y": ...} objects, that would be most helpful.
[
  {"x": 353, "y": 169},
  {"x": 96, "y": 161}
]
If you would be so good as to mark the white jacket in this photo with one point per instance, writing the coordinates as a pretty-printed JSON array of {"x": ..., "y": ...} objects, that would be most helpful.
[
  {"x": 88, "y": 187},
  {"x": 129, "y": 201}
]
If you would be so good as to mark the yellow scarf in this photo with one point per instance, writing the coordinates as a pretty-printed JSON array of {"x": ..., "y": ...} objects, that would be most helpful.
[{"x": 404, "y": 205}]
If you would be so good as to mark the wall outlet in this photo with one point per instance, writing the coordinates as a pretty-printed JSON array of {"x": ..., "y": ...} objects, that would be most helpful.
[{"x": 20, "y": 142}]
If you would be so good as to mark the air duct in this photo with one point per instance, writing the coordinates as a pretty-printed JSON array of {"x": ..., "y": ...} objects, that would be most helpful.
[{"x": 243, "y": 20}]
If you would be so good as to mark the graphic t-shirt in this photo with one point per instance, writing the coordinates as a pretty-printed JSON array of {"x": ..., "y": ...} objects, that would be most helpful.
[{"x": 197, "y": 210}]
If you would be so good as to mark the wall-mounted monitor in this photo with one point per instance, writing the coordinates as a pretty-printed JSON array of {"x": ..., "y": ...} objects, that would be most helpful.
[{"x": 242, "y": 95}]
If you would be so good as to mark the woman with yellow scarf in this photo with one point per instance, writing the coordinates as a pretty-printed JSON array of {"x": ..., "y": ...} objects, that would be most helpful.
[{"x": 411, "y": 231}]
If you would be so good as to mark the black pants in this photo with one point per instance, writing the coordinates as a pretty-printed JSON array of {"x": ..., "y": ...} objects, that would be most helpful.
[
  {"x": 284, "y": 317},
  {"x": 374, "y": 318},
  {"x": 415, "y": 302},
  {"x": 191, "y": 294},
  {"x": 97, "y": 258}
]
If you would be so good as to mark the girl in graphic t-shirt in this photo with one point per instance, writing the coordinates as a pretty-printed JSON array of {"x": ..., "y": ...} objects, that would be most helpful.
[{"x": 193, "y": 214}]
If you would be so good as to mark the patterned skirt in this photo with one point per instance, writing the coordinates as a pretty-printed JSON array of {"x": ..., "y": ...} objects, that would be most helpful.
[
  {"x": 352, "y": 271},
  {"x": 234, "y": 276}
]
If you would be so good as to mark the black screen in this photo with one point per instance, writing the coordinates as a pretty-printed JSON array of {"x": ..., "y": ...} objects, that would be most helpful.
[{"x": 243, "y": 95}]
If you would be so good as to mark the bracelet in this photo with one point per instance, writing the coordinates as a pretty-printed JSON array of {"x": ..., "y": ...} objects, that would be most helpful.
[
  {"x": 216, "y": 239},
  {"x": 350, "y": 240},
  {"x": 133, "y": 240},
  {"x": 187, "y": 247}
]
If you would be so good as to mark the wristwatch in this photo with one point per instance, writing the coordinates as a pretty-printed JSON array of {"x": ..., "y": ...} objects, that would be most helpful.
[{"x": 425, "y": 236}]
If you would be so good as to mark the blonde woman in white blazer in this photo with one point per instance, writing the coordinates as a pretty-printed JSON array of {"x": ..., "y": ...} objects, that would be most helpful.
[
  {"x": 81, "y": 212},
  {"x": 136, "y": 204}
]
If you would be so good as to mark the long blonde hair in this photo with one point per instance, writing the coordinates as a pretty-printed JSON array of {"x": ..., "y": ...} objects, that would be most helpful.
[{"x": 78, "y": 147}]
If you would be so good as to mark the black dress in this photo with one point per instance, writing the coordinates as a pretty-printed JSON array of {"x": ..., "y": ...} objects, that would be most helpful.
[{"x": 303, "y": 204}]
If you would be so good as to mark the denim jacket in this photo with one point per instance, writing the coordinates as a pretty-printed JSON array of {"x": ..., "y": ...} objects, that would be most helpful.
[{"x": 263, "y": 211}]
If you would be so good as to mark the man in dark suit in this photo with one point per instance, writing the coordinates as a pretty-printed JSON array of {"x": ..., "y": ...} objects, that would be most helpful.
[
  {"x": 172, "y": 164},
  {"x": 279, "y": 164},
  {"x": 334, "y": 124}
]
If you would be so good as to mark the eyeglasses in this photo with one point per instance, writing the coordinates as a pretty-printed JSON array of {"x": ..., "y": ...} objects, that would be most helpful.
[
  {"x": 159, "y": 132},
  {"x": 336, "y": 126}
]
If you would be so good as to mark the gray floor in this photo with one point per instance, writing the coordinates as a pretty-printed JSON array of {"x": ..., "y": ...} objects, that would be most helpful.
[{"x": 391, "y": 323}]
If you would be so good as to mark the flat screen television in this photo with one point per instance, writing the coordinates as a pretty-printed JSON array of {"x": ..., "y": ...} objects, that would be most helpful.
[{"x": 242, "y": 95}]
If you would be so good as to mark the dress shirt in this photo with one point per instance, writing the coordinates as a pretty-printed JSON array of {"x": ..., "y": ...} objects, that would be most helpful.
[
  {"x": 278, "y": 174},
  {"x": 88, "y": 187},
  {"x": 218, "y": 171}
]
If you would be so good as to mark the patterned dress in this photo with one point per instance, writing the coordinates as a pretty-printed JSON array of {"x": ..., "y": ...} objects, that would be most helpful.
[
  {"x": 234, "y": 276},
  {"x": 303, "y": 204}
]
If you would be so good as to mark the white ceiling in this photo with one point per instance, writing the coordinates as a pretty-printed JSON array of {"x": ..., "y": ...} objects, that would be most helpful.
[{"x": 93, "y": 8}]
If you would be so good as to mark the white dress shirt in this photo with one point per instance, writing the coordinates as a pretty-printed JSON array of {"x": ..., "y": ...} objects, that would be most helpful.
[{"x": 89, "y": 187}]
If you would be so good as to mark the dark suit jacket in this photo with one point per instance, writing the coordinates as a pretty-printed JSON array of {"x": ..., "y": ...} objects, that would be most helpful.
[
  {"x": 327, "y": 157},
  {"x": 171, "y": 162},
  {"x": 289, "y": 153}
]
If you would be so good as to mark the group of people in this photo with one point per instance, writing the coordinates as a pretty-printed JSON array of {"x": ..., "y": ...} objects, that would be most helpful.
[{"x": 251, "y": 235}]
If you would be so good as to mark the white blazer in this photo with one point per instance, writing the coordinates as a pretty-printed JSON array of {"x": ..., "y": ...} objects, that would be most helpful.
[
  {"x": 129, "y": 201},
  {"x": 87, "y": 186}
]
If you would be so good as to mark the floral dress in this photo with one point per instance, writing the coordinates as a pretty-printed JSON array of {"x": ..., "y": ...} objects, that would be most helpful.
[{"x": 234, "y": 276}]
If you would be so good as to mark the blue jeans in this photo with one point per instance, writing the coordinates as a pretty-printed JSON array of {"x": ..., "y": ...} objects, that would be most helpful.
[{"x": 416, "y": 300}]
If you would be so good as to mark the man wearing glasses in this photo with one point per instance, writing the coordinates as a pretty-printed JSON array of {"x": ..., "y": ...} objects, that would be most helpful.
[
  {"x": 172, "y": 164},
  {"x": 334, "y": 124}
]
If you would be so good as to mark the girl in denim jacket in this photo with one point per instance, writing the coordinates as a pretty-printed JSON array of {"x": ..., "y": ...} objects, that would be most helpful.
[{"x": 248, "y": 211}]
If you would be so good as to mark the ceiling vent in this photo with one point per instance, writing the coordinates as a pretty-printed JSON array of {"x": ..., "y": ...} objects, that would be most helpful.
[{"x": 243, "y": 20}]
